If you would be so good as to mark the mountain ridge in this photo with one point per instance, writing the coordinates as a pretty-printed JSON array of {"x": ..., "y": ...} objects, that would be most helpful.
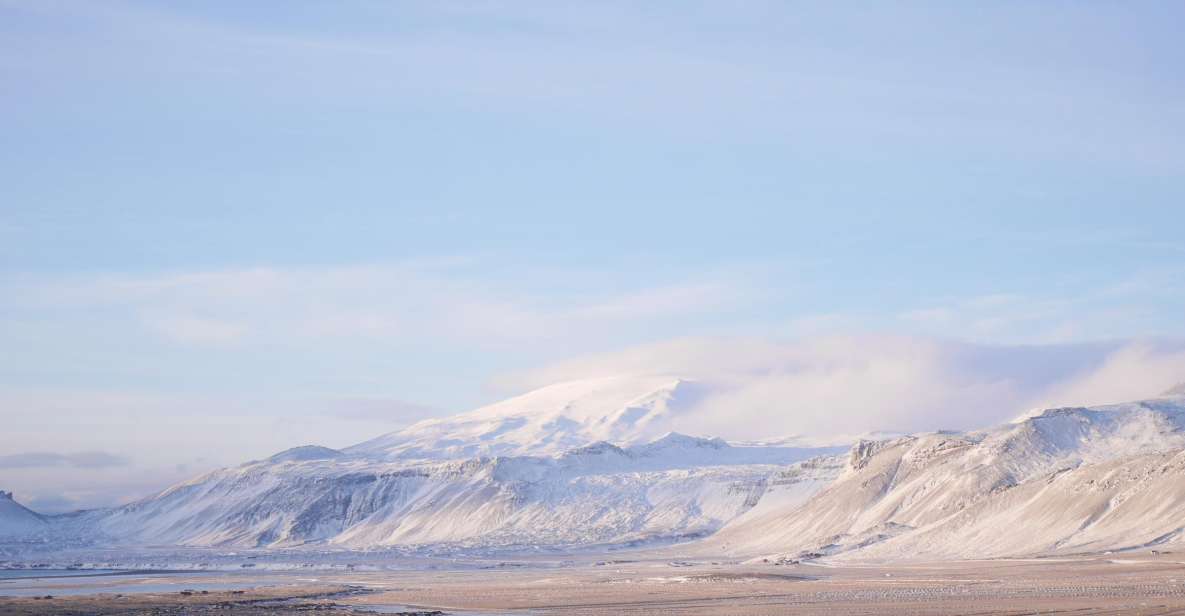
[
  {"x": 599, "y": 494},
  {"x": 954, "y": 495}
]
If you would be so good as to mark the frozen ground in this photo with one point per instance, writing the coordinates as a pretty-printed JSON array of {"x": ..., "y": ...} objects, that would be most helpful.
[{"x": 1135, "y": 583}]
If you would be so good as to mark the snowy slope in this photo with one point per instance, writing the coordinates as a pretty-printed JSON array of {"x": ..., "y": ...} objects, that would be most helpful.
[
  {"x": 622, "y": 410},
  {"x": 16, "y": 519},
  {"x": 676, "y": 486},
  {"x": 1066, "y": 480}
]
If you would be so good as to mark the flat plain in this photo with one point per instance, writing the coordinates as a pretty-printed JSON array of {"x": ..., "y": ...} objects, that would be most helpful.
[{"x": 1105, "y": 584}]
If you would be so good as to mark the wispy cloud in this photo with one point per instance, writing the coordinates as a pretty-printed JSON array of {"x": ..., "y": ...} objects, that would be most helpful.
[
  {"x": 1129, "y": 306},
  {"x": 657, "y": 72},
  {"x": 420, "y": 300},
  {"x": 42, "y": 459}
]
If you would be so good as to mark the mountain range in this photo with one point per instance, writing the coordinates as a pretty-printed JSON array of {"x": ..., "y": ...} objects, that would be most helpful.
[{"x": 594, "y": 464}]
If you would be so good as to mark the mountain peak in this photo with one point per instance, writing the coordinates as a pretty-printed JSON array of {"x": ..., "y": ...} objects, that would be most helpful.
[{"x": 622, "y": 410}]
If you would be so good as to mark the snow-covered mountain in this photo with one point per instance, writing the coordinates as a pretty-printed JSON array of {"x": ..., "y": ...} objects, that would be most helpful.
[
  {"x": 599, "y": 494},
  {"x": 573, "y": 464},
  {"x": 1066, "y": 480},
  {"x": 551, "y": 420},
  {"x": 16, "y": 519},
  {"x": 674, "y": 487},
  {"x": 591, "y": 463}
]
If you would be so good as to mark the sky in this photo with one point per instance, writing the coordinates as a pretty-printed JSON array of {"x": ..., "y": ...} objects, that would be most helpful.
[{"x": 231, "y": 228}]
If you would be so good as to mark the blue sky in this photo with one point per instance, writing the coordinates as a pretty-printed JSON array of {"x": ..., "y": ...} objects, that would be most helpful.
[{"x": 330, "y": 219}]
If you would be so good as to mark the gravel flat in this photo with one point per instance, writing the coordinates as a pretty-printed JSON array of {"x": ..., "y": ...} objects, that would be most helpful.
[{"x": 1145, "y": 584}]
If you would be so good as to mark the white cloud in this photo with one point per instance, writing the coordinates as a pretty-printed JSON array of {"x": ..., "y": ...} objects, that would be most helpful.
[
  {"x": 41, "y": 459},
  {"x": 852, "y": 384},
  {"x": 1138, "y": 370},
  {"x": 428, "y": 300}
]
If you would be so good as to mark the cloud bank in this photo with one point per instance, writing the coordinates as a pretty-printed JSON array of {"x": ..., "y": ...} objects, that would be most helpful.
[
  {"x": 42, "y": 459},
  {"x": 844, "y": 385}
]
